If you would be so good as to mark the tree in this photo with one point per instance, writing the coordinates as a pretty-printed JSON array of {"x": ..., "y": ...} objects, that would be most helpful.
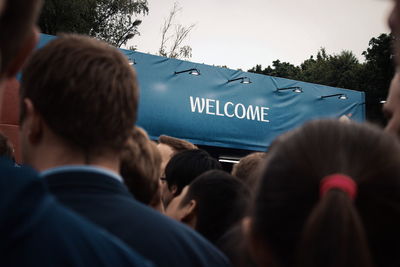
[
  {"x": 338, "y": 70},
  {"x": 345, "y": 71},
  {"x": 175, "y": 40},
  {"x": 110, "y": 20},
  {"x": 278, "y": 69},
  {"x": 377, "y": 74}
]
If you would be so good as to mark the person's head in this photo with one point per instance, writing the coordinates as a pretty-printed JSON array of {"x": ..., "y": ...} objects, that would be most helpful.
[
  {"x": 6, "y": 148},
  {"x": 247, "y": 168},
  {"x": 140, "y": 167},
  {"x": 18, "y": 35},
  {"x": 80, "y": 94},
  {"x": 169, "y": 146},
  {"x": 183, "y": 168},
  {"x": 299, "y": 219},
  {"x": 394, "y": 24},
  {"x": 211, "y": 204},
  {"x": 233, "y": 244},
  {"x": 391, "y": 108},
  {"x": 2, "y": 2}
]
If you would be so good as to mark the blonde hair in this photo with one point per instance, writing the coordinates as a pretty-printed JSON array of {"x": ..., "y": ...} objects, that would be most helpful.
[
  {"x": 248, "y": 167},
  {"x": 177, "y": 145},
  {"x": 140, "y": 166}
]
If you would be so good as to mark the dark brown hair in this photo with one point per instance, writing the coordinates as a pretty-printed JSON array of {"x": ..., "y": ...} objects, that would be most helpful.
[
  {"x": 16, "y": 23},
  {"x": 302, "y": 229},
  {"x": 222, "y": 201},
  {"x": 85, "y": 90},
  {"x": 6, "y": 148},
  {"x": 140, "y": 166},
  {"x": 185, "y": 166},
  {"x": 177, "y": 145}
]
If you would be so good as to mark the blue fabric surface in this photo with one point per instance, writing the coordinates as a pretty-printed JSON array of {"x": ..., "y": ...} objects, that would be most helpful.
[{"x": 208, "y": 110}]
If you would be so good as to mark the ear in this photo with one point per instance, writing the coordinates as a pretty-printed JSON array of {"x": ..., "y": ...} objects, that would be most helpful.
[
  {"x": 189, "y": 215},
  {"x": 32, "y": 123},
  {"x": 259, "y": 252},
  {"x": 22, "y": 55}
]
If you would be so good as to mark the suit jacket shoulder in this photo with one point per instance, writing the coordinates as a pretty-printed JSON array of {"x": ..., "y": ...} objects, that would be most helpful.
[
  {"x": 35, "y": 230},
  {"x": 108, "y": 203}
]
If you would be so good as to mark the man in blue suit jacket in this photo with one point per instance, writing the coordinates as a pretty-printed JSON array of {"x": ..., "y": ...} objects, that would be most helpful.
[
  {"x": 35, "y": 230},
  {"x": 79, "y": 100}
]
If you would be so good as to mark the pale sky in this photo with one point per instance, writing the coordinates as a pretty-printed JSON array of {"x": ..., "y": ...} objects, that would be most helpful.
[{"x": 243, "y": 33}]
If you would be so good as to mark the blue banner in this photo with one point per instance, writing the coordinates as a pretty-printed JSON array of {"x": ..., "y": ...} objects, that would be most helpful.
[{"x": 221, "y": 107}]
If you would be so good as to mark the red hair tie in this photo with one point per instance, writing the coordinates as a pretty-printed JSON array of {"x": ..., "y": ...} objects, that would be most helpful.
[{"x": 338, "y": 181}]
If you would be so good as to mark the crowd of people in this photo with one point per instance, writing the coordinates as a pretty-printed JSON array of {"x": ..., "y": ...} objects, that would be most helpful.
[{"x": 93, "y": 190}]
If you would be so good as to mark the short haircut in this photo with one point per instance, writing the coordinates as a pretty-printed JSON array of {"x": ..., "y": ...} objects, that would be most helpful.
[
  {"x": 177, "y": 145},
  {"x": 6, "y": 148},
  {"x": 140, "y": 166},
  {"x": 302, "y": 228},
  {"x": 222, "y": 201},
  {"x": 185, "y": 166},
  {"x": 235, "y": 246},
  {"x": 85, "y": 90},
  {"x": 16, "y": 23},
  {"x": 247, "y": 168}
]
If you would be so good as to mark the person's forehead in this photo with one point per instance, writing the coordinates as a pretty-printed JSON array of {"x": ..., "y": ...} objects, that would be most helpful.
[
  {"x": 1, "y": 6},
  {"x": 393, "y": 99},
  {"x": 394, "y": 90},
  {"x": 178, "y": 199},
  {"x": 184, "y": 191}
]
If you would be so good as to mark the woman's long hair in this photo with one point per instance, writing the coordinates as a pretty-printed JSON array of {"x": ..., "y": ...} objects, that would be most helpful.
[{"x": 302, "y": 228}]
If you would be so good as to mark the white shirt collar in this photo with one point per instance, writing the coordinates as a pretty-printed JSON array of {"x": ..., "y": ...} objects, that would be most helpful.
[{"x": 80, "y": 168}]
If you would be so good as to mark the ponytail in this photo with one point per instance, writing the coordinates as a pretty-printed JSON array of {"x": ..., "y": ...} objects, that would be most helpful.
[{"x": 334, "y": 235}]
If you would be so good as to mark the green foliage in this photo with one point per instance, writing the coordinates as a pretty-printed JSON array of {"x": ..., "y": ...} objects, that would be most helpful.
[
  {"x": 334, "y": 70},
  {"x": 377, "y": 73},
  {"x": 278, "y": 69},
  {"x": 345, "y": 71},
  {"x": 110, "y": 20}
]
